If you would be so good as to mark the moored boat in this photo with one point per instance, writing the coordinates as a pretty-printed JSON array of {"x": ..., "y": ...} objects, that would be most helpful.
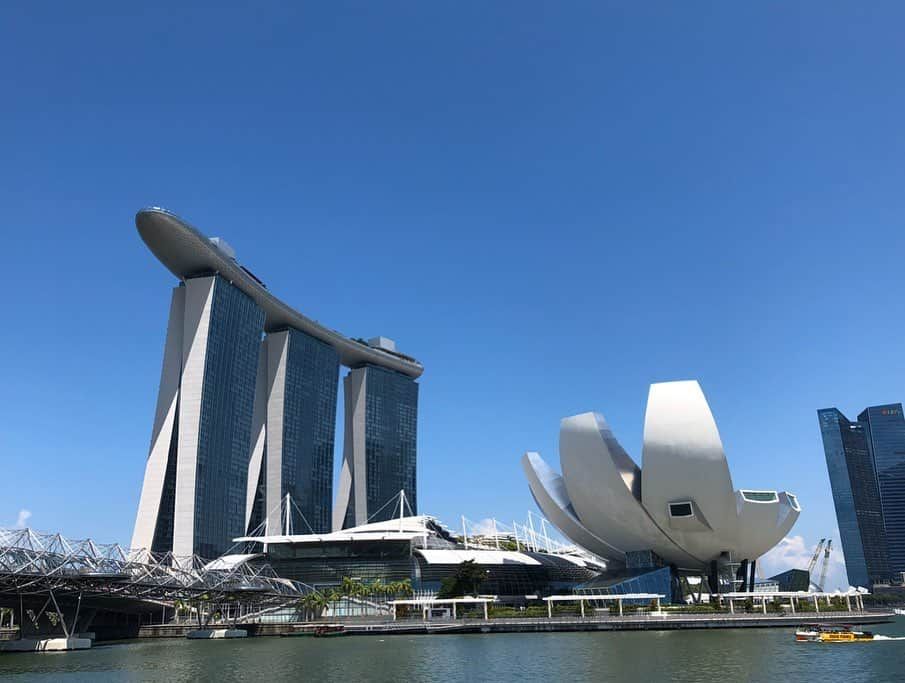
[{"x": 328, "y": 630}]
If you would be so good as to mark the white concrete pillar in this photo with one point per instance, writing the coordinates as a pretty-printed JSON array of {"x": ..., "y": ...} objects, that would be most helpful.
[
  {"x": 792, "y": 603},
  {"x": 731, "y": 606},
  {"x": 763, "y": 604},
  {"x": 485, "y": 610},
  {"x": 816, "y": 605},
  {"x": 620, "y": 607},
  {"x": 550, "y": 609},
  {"x": 581, "y": 603}
]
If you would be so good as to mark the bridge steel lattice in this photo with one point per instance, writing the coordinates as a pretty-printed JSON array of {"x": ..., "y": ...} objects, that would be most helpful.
[{"x": 68, "y": 576}]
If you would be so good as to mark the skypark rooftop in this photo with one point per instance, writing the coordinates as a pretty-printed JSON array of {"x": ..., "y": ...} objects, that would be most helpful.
[{"x": 188, "y": 253}]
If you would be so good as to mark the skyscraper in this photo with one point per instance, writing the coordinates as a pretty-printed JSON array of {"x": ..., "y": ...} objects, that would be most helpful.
[
  {"x": 379, "y": 449},
  {"x": 246, "y": 410},
  {"x": 192, "y": 501},
  {"x": 856, "y": 496},
  {"x": 295, "y": 423},
  {"x": 885, "y": 429}
]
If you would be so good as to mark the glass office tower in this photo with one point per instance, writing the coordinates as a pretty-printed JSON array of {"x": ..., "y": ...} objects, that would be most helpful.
[
  {"x": 856, "y": 497},
  {"x": 380, "y": 449},
  {"x": 885, "y": 429},
  {"x": 193, "y": 496},
  {"x": 295, "y": 426}
]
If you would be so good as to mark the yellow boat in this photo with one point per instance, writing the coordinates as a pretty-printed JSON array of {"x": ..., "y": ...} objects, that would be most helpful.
[{"x": 819, "y": 633}]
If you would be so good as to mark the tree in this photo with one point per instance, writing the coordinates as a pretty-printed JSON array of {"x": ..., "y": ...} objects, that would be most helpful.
[
  {"x": 466, "y": 581},
  {"x": 314, "y": 603}
]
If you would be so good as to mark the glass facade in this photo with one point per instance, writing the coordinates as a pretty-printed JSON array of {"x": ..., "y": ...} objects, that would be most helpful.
[
  {"x": 326, "y": 564},
  {"x": 391, "y": 428},
  {"x": 258, "y": 506},
  {"x": 885, "y": 429},
  {"x": 230, "y": 370},
  {"x": 166, "y": 516},
  {"x": 656, "y": 581},
  {"x": 309, "y": 428},
  {"x": 856, "y": 498}
]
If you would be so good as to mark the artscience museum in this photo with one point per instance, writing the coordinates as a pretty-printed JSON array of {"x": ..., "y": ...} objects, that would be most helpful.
[{"x": 678, "y": 512}]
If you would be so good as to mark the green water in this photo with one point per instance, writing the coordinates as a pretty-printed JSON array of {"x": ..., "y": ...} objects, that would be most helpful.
[{"x": 727, "y": 656}]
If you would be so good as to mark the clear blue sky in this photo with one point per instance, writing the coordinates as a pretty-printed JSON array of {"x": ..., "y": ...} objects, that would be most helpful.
[{"x": 550, "y": 206}]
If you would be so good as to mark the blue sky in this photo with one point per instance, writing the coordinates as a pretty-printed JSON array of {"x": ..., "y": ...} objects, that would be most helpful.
[{"x": 550, "y": 206}]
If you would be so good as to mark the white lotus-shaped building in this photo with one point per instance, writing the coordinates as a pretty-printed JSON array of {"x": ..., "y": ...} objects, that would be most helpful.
[{"x": 681, "y": 504}]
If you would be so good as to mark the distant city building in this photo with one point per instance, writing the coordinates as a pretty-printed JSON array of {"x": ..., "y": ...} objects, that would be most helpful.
[
  {"x": 866, "y": 465},
  {"x": 246, "y": 412},
  {"x": 885, "y": 429},
  {"x": 792, "y": 580}
]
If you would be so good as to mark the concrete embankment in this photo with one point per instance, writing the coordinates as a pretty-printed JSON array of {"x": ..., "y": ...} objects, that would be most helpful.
[{"x": 529, "y": 625}]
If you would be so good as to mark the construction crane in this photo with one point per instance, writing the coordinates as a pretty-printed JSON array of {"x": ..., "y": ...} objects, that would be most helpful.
[
  {"x": 825, "y": 565},
  {"x": 813, "y": 562}
]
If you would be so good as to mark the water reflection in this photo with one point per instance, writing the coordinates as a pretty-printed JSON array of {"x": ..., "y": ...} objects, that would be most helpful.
[{"x": 682, "y": 656}]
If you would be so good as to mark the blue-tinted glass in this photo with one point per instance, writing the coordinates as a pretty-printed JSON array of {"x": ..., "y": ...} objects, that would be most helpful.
[
  {"x": 885, "y": 428},
  {"x": 230, "y": 372},
  {"x": 166, "y": 517},
  {"x": 309, "y": 427},
  {"x": 856, "y": 497},
  {"x": 391, "y": 429}
]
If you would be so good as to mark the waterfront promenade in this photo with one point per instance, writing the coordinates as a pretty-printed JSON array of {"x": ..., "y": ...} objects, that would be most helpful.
[{"x": 637, "y": 622}]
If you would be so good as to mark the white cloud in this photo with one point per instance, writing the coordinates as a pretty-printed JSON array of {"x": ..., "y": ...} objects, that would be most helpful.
[
  {"x": 794, "y": 553},
  {"x": 483, "y": 527},
  {"x": 22, "y": 519}
]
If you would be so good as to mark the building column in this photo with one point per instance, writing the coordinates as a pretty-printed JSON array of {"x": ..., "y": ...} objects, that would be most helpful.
[
  {"x": 162, "y": 435},
  {"x": 352, "y": 492}
]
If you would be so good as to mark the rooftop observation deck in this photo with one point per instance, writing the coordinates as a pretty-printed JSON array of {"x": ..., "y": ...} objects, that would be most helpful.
[{"x": 187, "y": 253}]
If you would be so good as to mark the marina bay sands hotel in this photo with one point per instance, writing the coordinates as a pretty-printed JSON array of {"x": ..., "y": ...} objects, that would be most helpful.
[{"x": 246, "y": 411}]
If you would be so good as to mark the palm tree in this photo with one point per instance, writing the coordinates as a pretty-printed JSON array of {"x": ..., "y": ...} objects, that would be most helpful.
[
  {"x": 314, "y": 603},
  {"x": 377, "y": 588},
  {"x": 405, "y": 587},
  {"x": 319, "y": 602}
]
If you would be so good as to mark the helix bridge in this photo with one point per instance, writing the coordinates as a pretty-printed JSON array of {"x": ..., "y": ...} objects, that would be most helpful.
[{"x": 53, "y": 583}]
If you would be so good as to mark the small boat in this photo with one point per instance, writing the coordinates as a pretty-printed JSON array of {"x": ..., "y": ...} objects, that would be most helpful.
[
  {"x": 316, "y": 630},
  {"x": 300, "y": 630},
  {"x": 329, "y": 630},
  {"x": 819, "y": 633},
  {"x": 899, "y": 611}
]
